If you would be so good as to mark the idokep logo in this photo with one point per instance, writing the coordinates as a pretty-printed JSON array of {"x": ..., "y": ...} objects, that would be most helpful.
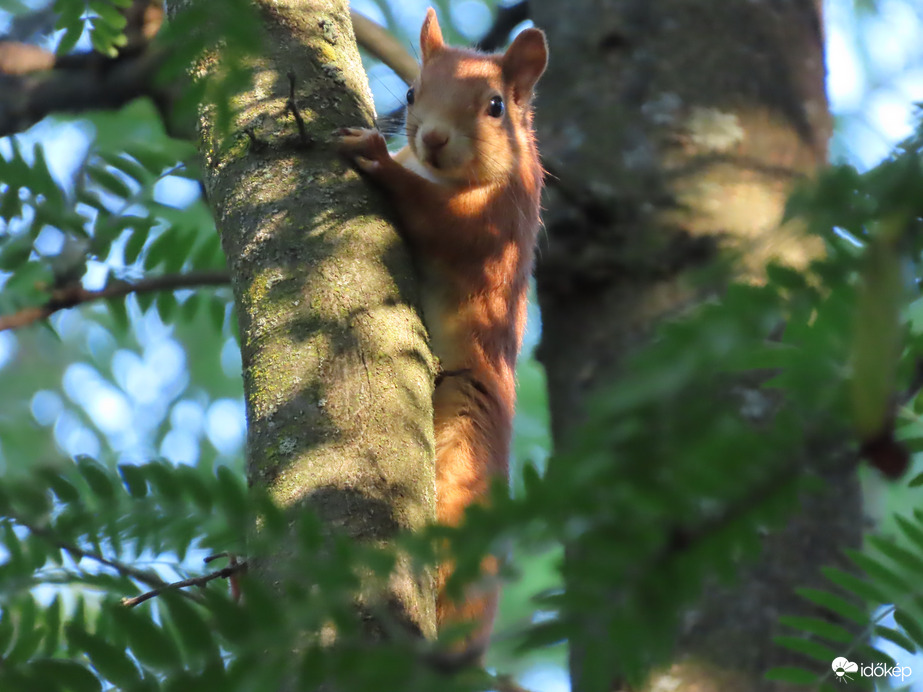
[{"x": 846, "y": 670}]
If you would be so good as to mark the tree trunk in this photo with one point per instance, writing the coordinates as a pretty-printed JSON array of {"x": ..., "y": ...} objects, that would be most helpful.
[
  {"x": 337, "y": 374},
  {"x": 688, "y": 123}
]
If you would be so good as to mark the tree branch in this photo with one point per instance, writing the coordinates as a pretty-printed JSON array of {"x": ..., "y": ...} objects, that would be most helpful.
[
  {"x": 77, "y": 83},
  {"x": 381, "y": 43},
  {"x": 34, "y": 82},
  {"x": 75, "y": 294},
  {"x": 22, "y": 58},
  {"x": 223, "y": 573},
  {"x": 508, "y": 16}
]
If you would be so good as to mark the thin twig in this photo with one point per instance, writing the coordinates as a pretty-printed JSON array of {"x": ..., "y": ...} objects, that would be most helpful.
[
  {"x": 75, "y": 294},
  {"x": 223, "y": 573},
  {"x": 234, "y": 561},
  {"x": 216, "y": 556},
  {"x": 79, "y": 553},
  {"x": 293, "y": 109}
]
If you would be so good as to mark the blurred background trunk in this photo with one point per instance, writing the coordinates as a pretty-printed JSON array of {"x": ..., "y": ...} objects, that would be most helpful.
[{"x": 682, "y": 134}]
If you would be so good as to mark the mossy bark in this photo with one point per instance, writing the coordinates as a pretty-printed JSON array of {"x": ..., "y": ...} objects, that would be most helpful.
[
  {"x": 684, "y": 132},
  {"x": 337, "y": 374}
]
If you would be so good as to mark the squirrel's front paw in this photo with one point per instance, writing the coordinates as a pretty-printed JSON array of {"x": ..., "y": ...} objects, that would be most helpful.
[{"x": 361, "y": 143}]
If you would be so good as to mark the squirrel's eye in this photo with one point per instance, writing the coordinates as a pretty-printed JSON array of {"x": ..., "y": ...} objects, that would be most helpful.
[
  {"x": 410, "y": 96},
  {"x": 495, "y": 109}
]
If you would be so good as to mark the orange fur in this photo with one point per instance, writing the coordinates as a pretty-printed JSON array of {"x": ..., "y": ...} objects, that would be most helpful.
[{"x": 467, "y": 190}]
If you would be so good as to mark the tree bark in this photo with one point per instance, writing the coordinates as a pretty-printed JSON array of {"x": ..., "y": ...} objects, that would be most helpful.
[
  {"x": 688, "y": 124},
  {"x": 337, "y": 374}
]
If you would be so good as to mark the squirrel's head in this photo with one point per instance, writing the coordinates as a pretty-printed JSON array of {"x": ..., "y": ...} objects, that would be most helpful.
[{"x": 469, "y": 115}]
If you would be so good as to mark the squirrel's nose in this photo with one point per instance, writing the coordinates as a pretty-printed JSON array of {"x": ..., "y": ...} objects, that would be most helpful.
[{"x": 435, "y": 139}]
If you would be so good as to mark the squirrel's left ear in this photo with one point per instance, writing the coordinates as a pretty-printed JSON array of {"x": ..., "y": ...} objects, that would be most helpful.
[{"x": 524, "y": 62}]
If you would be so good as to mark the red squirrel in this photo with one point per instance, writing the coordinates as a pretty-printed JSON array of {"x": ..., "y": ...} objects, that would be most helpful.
[{"x": 467, "y": 190}]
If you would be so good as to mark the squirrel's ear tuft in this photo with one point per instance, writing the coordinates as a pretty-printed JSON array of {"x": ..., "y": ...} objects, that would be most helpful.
[
  {"x": 525, "y": 61},
  {"x": 430, "y": 35}
]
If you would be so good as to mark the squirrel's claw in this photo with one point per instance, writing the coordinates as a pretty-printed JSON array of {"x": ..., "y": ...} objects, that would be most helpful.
[{"x": 362, "y": 143}]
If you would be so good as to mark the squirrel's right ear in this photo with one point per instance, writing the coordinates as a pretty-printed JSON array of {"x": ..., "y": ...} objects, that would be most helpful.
[
  {"x": 430, "y": 35},
  {"x": 525, "y": 61}
]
